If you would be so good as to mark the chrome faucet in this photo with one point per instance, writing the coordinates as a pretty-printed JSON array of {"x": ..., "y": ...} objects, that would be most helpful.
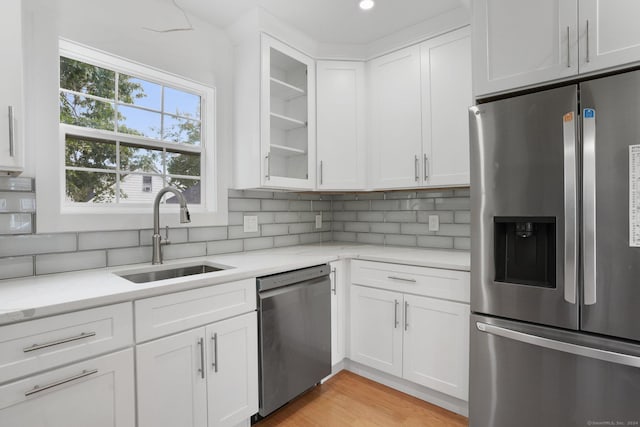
[{"x": 184, "y": 218}]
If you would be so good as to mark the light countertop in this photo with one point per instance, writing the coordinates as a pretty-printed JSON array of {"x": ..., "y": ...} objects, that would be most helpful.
[{"x": 45, "y": 295}]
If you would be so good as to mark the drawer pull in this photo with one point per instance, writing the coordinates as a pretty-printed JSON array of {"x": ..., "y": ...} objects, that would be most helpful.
[
  {"x": 402, "y": 279},
  {"x": 38, "y": 389},
  {"x": 201, "y": 369},
  {"x": 58, "y": 342}
]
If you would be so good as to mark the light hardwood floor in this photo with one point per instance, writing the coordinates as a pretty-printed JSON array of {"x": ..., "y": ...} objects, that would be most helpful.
[{"x": 348, "y": 399}]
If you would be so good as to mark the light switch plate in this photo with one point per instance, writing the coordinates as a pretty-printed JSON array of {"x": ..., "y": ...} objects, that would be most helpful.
[
  {"x": 319, "y": 221},
  {"x": 250, "y": 224},
  {"x": 434, "y": 223}
]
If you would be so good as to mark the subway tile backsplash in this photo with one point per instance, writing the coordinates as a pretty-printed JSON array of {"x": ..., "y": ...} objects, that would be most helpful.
[
  {"x": 397, "y": 218},
  {"x": 400, "y": 218}
]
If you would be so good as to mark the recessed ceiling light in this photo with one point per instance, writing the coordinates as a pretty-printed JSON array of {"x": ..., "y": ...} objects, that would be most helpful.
[{"x": 366, "y": 4}]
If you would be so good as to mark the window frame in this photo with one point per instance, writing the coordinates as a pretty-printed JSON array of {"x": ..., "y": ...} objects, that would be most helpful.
[
  {"x": 207, "y": 147},
  {"x": 53, "y": 215}
]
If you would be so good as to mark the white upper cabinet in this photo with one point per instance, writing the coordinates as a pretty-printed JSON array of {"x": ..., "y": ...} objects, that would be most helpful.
[
  {"x": 446, "y": 97},
  {"x": 395, "y": 119},
  {"x": 609, "y": 33},
  {"x": 274, "y": 123},
  {"x": 419, "y": 120},
  {"x": 340, "y": 113},
  {"x": 519, "y": 43},
  {"x": 11, "y": 105}
]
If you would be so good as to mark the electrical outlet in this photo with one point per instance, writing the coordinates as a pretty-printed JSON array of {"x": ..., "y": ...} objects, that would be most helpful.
[
  {"x": 319, "y": 221},
  {"x": 434, "y": 223},
  {"x": 250, "y": 224}
]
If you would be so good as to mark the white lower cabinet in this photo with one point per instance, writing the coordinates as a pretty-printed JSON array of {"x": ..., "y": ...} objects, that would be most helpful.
[
  {"x": 436, "y": 344},
  {"x": 376, "y": 333},
  {"x": 420, "y": 338},
  {"x": 206, "y": 376},
  {"x": 98, "y": 392}
]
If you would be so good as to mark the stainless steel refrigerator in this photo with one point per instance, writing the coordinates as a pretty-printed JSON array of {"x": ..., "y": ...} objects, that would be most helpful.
[{"x": 555, "y": 257}]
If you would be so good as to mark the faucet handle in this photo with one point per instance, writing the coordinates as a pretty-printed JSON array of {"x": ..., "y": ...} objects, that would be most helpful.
[{"x": 166, "y": 240}]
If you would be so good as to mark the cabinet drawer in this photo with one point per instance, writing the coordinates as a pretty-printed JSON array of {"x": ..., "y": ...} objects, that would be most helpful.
[
  {"x": 98, "y": 392},
  {"x": 40, "y": 344},
  {"x": 167, "y": 314},
  {"x": 434, "y": 282}
]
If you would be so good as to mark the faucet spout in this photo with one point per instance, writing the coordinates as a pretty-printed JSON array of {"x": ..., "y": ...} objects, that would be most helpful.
[{"x": 184, "y": 218}]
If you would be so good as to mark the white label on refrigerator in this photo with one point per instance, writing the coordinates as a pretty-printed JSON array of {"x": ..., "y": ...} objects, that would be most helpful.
[{"x": 634, "y": 196}]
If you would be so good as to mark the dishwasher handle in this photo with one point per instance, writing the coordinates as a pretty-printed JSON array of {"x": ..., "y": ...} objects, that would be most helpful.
[{"x": 324, "y": 280}]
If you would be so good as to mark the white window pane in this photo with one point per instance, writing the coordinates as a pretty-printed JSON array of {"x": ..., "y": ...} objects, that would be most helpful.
[
  {"x": 132, "y": 90},
  {"x": 135, "y": 121},
  {"x": 190, "y": 189},
  {"x": 90, "y": 187},
  {"x": 86, "y": 78},
  {"x": 183, "y": 131},
  {"x": 89, "y": 153},
  {"x": 183, "y": 164},
  {"x": 138, "y": 159},
  {"x": 136, "y": 188},
  {"x": 181, "y": 103},
  {"x": 82, "y": 111}
]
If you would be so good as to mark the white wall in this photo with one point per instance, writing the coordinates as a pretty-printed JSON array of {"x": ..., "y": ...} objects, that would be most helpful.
[{"x": 116, "y": 26}]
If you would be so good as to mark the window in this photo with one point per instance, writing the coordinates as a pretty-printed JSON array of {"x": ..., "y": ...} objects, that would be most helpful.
[
  {"x": 128, "y": 131},
  {"x": 147, "y": 186}
]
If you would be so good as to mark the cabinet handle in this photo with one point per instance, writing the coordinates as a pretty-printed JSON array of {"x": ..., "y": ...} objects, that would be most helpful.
[
  {"x": 201, "y": 369},
  {"x": 214, "y": 364},
  {"x": 11, "y": 132},
  {"x": 395, "y": 314},
  {"x": 38, "y": 389},
  {"x": 588, "y": 59},
  {"x": 568, "y": 49},
  {"x": 415, "y": 167},
  {"x": 426, "y": 167},
  {"x": 406, "y": 315},
  {"x": 58, "y": 342},
  {"x": 402, "y": 279},
  {"x": 335, "y": 284},
  {"x": 321, "y": 177},
  {"x": 268, "y": 159}
]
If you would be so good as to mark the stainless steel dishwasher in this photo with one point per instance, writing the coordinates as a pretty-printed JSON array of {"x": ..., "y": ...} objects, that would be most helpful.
[{"x": 294, "y": 312}]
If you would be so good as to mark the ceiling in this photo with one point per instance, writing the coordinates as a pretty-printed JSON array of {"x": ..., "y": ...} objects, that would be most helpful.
[{"x": 328, "y": 21}]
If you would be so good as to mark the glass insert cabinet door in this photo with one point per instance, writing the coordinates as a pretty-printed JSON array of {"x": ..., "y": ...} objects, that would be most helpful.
[{"x": 287, "y": 116}]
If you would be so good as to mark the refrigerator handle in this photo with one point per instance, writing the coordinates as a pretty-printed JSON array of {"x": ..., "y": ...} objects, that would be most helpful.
[
  {"x": 589, "y": 204},
  {"x": 565, "y": 347},
  {"x": 570, "y": 209}
]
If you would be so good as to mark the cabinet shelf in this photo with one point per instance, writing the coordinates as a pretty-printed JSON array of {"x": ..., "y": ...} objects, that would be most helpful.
[
  {"x": 285, "y": 151},
  {"x": 279, "y": 121},
  {"x": 285, "y": 91}
]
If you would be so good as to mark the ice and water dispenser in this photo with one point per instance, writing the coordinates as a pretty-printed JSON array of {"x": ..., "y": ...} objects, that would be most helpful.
[{"x": 525, "y": 250}]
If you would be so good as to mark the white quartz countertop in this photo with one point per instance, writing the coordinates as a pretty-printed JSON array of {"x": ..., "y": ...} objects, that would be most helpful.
[{"x": 38, "y": 296}]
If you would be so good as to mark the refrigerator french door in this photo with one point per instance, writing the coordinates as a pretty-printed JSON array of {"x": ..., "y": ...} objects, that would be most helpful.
[{"x": 555, "y": 258}]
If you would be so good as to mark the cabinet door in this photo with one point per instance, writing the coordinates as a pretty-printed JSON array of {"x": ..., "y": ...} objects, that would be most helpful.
[
  {"x": 287, "y": 122},
  {"x": 340, "y": 113},
  {"x": 520, "y": 43},
  {"x": 11, "y": 113},
  {"x": 396, "y": 123},
  {"x": 98, "y": 392},
  {"x": 446, "y": 97},
  {"x": 232, "y": 366},
  {"x": 338, "y": 301},
  {"x": 172, "y": 388},
  {"x": 376, "y": 329},
  {"x": 436, "y": 344},
  {"x": 609, "y": 34}
]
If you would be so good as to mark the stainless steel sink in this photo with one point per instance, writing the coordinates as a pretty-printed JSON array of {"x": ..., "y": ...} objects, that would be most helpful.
[{"x": 170, "y": 273}]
